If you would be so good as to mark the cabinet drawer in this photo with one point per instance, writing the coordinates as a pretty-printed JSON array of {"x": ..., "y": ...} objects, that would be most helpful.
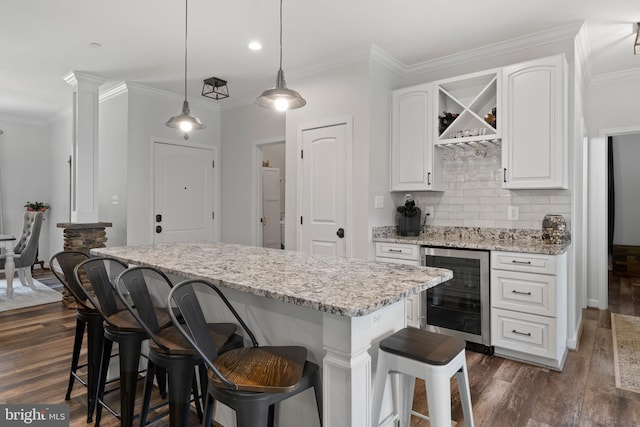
[
  {"x": 526, "y": 292},
  {"x": 398, "y": 251},
  {"x": 523, "y": 332},
  {"x": 531, "y": 263}
]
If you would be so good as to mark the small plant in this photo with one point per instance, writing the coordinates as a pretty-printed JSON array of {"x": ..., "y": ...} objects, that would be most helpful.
[{"x": 37, "y": 206}]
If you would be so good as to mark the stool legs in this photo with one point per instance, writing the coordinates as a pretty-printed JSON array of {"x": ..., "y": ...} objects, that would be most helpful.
[
  {"x": 77, "y": 346},
  {"x": 437, "y": 382},
  {"x": 95, "y": 340}
]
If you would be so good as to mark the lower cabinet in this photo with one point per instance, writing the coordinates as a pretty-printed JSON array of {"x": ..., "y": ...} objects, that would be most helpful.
[
  {"x": 400, "y": 253},
  {"x": 528, "y": 307}
]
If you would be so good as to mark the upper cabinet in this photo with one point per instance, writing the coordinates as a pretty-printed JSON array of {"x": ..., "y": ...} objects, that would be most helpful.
[
  {"x": 534, "y": 144},
  {"x": 467, "y": 108},
  {"x": 413, "y": 166}
]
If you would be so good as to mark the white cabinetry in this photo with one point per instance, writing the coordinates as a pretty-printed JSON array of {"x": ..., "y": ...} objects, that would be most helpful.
[
  {"x": 400, "y": 253},
  {"x": 529, "y": 307},
  {"x": 413, "y": 167},
  {"x": 534, "y": 144}
]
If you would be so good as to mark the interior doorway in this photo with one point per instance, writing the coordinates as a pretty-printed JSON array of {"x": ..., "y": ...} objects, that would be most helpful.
[{"x": 269, "y": 183}]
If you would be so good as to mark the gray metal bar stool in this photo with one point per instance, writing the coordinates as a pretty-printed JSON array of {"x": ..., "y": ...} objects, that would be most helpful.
[
  {"x": 416, "y": 353},
  {"x": 250, "y": 380}
]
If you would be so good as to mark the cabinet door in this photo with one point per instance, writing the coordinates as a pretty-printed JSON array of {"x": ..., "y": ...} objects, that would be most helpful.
[
  {"x": 534, "y": 145},
  {"x": 411, "y": 144}
]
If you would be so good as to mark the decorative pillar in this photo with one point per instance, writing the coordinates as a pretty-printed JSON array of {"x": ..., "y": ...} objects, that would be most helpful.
[
  {"x": 82, "y": 237},
  {"x": 84, "y": 194}
]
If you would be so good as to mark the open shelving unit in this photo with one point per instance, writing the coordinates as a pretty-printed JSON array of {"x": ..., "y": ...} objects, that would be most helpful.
[{"x": 472, "y": 100}]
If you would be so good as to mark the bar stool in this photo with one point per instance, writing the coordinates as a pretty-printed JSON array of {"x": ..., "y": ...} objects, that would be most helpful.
[
  {"x": 250, "y": 380},
  {"x": 416, "y": 353},
  {"x": 87, "y": 318},
  {"x": 144, "y": 291},
  {"x": 120, "y": 327}
]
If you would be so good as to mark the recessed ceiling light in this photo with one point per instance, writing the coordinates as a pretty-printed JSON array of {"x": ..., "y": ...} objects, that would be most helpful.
[
  {"x": 94, "y": 44},
  {"x": 254, "y": 45}
]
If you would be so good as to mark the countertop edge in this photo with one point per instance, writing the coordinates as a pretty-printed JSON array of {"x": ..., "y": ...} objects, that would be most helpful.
[{"x": 491, "y": 245}]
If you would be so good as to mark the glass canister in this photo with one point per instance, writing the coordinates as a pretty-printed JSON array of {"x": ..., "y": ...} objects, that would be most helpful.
[{"x": 554, "y": 229}]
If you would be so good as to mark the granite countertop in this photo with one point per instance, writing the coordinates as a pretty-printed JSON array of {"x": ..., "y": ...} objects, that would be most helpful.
[
  {"x": 343, "y": 286},
  {"x": 509, "y": 240}
]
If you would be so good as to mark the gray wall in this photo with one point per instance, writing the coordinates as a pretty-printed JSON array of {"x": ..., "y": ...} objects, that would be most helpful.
[{"x": 626, "y": 153}]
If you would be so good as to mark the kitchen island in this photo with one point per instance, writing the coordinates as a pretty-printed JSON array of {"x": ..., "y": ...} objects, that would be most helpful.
[{"x": 338, "y": 308}]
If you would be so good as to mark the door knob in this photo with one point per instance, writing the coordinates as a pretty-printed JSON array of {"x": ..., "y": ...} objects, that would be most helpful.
[
  {"x": 158, "y": 229},
  {"x": 340, "y": 232}
]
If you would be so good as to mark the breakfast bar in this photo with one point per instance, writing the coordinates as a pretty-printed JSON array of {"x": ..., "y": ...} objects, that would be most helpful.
[{"x": 336, "y": 307}]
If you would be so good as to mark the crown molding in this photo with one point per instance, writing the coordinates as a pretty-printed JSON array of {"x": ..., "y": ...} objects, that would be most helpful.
[
  {"x": 125, "y": 87},
  {"x": 376, "y": 54},
  {"x": 73, "y": 77},
  {"x": 60, "y": 115},
  {"x": 615, "y": 77},
  {"x": 500, "y": 48},
  {"x": 583, "y": 52}
]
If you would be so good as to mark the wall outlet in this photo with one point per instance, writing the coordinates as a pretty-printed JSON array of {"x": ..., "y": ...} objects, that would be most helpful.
[
  {"x": 428, "y": 211},
  {"x": 115, "y": 200},
  {"x": 512, "y": 213},
  {"x": 379, "y": 202}
]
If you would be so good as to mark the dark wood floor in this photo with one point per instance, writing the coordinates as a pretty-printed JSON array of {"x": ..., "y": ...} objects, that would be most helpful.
[{"x": 35, "y": 346}]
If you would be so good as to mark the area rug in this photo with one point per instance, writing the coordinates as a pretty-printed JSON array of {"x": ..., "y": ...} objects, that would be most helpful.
[
  {"x": 24, "y": 296},
  {"x": 626, "y": 351}
]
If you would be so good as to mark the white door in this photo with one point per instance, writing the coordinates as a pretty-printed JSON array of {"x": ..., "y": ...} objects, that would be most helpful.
[
  {"x": 323, "y": 228},
  {"x": 183, "y": 193},
  {"x": 271, "y": 208}
]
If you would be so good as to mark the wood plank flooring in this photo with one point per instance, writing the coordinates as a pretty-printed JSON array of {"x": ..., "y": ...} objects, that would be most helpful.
[{"x": 36, "y": 343}]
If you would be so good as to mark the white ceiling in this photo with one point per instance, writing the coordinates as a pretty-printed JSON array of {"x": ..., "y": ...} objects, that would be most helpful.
[{"x": 143, "y": 40}]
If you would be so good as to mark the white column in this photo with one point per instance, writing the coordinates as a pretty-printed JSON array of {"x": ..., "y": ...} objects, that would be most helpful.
[{"x": 84, "y": 200}]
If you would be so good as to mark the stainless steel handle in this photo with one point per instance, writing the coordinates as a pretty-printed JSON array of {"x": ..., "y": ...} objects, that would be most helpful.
[
  {"x": 528, "y": 334},
  {"x": 520, "y": 293},
  {"x": 395, "y": 250},
  {"x": 521, "y": 262}
]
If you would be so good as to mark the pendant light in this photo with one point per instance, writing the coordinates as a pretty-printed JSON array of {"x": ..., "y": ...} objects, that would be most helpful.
[
  {"x": 185, "y": 121},
  {"x": 280, "y": 97},
  {"x": 636, "y": 45}
]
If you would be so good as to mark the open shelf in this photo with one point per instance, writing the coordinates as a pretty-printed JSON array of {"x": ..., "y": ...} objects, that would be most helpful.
[{"x": 465, "y": 107}]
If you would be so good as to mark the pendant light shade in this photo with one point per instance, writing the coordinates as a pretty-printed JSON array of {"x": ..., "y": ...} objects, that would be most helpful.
[
  {"x": 636, "y": 45},
  {"x": 280, "y": 97},
  {"x": 185, "y": 121}
]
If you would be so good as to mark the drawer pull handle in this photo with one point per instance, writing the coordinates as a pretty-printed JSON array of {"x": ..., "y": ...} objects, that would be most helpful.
[
  {"x": 520, "y": 293},
  {"x": 528, "y": 334},
  {"x": 521, "y": 262},
  {"x": 395, "y": 250}
]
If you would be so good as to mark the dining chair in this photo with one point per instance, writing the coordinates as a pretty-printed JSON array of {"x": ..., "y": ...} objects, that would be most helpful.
[
  {"x": 144, "y": 291},
  {"x": 26, "y": 248},
  {"x": 250, "y": 380}
]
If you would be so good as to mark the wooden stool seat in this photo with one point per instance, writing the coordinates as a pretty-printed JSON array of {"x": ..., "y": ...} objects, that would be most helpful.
[
  {"x": 423, "y": 346},
  {"x": 414, "y": 353},
  {"x": 175, "y": 343}
]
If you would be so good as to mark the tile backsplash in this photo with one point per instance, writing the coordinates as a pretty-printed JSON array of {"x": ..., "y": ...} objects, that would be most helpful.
[{"x": 474, "y": 196}]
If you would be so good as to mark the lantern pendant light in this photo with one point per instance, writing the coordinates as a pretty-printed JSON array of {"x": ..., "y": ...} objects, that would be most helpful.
[
  {"x": 185, "y": 121},
  {"x": 280, "y": 97}
]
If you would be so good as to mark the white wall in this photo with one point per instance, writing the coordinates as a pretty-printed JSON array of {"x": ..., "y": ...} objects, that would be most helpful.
[
  {"x": 147, "y": 113},
  {"x": 113, "y": 167},
  {"x": 626, "y": 153},
  {"x": 242, "y": 126},
  {"x": 61, "y": 140},
  {"x": 25, "y": 170},
  {"x": 333, "y": 95}
]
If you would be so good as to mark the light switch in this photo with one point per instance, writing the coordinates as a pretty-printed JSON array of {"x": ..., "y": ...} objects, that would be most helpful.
[
  {"x": 379, "y": 202},
  {"x": 115, "y": 200}
]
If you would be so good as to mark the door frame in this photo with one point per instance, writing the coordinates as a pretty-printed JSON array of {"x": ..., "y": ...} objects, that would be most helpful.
[
  {"x": 335, "y": 121},
  {"x": 599, "y": 212},
  {"x": 215, "y": 186},
  {"x": 256, "y": 184}
]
